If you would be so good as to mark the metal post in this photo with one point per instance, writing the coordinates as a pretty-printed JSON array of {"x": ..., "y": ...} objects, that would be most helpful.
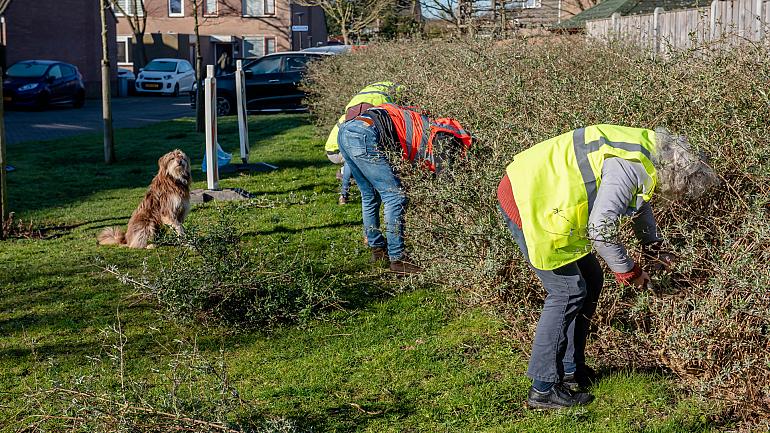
[
  {"x": 243, "y": 120},
  {"x": 3, "y": 185},
  {"x": 212, "y": 168},
  {"x": 656, "y": 31}
]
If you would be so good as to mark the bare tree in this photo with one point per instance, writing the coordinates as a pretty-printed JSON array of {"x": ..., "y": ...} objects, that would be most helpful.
[
  {"x": 352, "y": 16},
  {"x": 135, "y": 13},
  {"x": 109, "y": 143}
]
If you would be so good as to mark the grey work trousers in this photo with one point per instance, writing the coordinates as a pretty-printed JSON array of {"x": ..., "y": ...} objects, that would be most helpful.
[{"x": 573, "y": 291}]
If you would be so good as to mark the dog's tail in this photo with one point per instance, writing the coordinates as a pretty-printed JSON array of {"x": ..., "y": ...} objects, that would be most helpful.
[{"x": 112, "y": 236}]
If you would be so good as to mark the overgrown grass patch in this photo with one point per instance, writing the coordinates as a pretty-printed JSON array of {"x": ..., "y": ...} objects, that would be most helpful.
[{"x": 393, "y": 357}]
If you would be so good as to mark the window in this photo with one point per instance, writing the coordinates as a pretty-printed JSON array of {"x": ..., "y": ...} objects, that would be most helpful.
[
  {"x": 296, "y": 63},
  {"x": 67, "y": 70},
  {"x": 527, "y": 4},
  {"x": 124, "y": 50},
  {"x": 130, "y": 7},
  {"x": 55, "y": 72},
  {"x": 257, "y": 8},
  {"x": 184, "y": 67},
  {"x": 258, "y": 46},
  {"x": 268, "y": 65},
  {"x": 269, "y": 45},
  {"x": 210, "y": 8},
  {"x": 175, "y": 8}
]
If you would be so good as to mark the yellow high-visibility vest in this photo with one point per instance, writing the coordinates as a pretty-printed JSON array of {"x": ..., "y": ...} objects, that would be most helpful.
[
  {"x": 555, "y": 184},
  {"x": 375, "y": 94}
]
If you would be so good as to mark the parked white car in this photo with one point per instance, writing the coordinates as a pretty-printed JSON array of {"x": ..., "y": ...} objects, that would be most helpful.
[{"x": 166, "y": 76}]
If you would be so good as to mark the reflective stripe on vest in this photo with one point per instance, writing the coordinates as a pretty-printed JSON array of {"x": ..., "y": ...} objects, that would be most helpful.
[{"x": 555, "y": 183}]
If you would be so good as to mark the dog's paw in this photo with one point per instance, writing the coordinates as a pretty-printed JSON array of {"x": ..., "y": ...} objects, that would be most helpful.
[{"x": 150, "y": 246}]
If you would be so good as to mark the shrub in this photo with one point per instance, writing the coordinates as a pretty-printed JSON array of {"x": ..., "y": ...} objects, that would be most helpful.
[
  {"x": 708, "y": 321},
  {"x": 211, "y": 276}
]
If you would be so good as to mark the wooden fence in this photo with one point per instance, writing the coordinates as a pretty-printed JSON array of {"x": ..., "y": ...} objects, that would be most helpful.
[{"x": 725, "y": 21}]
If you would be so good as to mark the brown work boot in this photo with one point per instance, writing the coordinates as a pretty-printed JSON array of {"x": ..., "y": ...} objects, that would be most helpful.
[
  {"x": 404, "y": 267},
  {"x": 379, "y": 254}
]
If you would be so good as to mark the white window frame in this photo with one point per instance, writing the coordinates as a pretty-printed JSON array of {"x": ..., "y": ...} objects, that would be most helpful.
[
  {"x": 127, "y": 41},
  {"x": 139, "y": 10},
  {"x": 527, "y": 4},
  {"x": 265, "y": 8},
  {"x": 265, "y": 38},
  {"x": 176, "y": 14},
  {"x": 207, "y": 13}
]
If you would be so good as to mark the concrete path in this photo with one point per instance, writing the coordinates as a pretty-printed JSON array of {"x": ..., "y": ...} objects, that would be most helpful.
[{"x": 57, "y": 122}]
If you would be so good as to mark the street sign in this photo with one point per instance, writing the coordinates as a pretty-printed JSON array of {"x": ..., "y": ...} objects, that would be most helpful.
[{"x": 299, "y": 28}]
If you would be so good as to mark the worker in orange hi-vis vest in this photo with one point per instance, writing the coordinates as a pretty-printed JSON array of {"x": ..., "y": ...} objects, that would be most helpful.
[{"x": 365, "y": 142}]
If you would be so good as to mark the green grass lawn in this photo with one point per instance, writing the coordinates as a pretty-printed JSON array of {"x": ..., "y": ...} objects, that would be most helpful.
[{"x": 393, "y": 357}]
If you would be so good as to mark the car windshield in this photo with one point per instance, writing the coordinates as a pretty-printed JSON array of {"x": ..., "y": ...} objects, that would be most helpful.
[
  {"x": 160, "y": 66},
  {"x": 27, "y": 70}
]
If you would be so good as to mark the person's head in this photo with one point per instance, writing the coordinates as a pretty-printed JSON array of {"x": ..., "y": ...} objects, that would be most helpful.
[
  {"x": 681, "y": 174},
  {"x": 446, "y": 150}
]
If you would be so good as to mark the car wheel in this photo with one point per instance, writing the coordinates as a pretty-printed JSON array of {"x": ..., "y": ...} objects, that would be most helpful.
[
  {"x": 224, "y": 106},
  {"x": 176, "y": 90},
  {"x": 79, "y": 100}
]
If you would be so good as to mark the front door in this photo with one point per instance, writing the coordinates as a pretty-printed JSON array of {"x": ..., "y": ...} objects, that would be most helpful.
[{"x": 223, "y": 58}]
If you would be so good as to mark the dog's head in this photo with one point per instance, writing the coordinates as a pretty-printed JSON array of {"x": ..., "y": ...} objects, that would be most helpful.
[{"x": 176, "y": 165}]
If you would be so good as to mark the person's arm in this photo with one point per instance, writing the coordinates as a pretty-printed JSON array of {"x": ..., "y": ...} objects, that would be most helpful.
[{"x": 619, "y": 186}]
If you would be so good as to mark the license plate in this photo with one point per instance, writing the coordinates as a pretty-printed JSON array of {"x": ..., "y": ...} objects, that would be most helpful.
[
  {"x": 7, "y": 99},
  {"x": 152, "y": 86}
]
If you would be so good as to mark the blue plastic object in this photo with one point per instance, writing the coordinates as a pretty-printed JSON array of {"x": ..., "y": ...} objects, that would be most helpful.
[{"x": 223, "y": 158}]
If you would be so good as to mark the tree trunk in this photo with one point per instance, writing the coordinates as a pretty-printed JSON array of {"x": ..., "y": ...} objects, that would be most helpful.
[
  {"x": 3, "y": 185},
  {"x": 200, "y": 123},
  {"x": 109, "y": 144}
]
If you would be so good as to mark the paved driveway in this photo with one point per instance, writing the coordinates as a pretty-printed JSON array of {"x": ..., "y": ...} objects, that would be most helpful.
[{"x": 64, "y": 121}]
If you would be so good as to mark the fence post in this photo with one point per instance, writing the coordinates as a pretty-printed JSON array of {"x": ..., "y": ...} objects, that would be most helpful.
[
  {"x": 760, "y": 25},
  {"x": 616, "y": 24},
  {"x": 713, "y": 20},
  {"x": 656, "y": 31},
  {"x": 212, "y": 166},
  {"x": 243, "y": 120}
]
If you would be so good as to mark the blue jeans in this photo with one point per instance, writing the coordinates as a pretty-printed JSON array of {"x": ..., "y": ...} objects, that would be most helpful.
[
  {"x": 345, "y": 189},
  {"x": 573, "y": 291},
  {"x": 378, "y": 185}
]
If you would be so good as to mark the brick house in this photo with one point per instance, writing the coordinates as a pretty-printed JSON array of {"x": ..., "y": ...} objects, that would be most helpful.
[
  {"x": 546, "y": 13},
  {"x": 229, "y": 29},
  {"x": 65, "y": 30}
]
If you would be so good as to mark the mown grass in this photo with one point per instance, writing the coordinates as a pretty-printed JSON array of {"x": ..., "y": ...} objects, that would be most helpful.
[{"x": 392, "y": 358}]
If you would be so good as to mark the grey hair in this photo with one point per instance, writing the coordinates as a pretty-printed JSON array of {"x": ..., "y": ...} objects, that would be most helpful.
[{"x": 681, "y": 174}]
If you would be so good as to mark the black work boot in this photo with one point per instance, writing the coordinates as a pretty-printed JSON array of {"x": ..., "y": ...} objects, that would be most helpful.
[
  {"x": 379, "y": 254},
  {"x": 580, "y": 379},
  {"x": 404, "y": 266},
  {"x": 558, "y": 397}
]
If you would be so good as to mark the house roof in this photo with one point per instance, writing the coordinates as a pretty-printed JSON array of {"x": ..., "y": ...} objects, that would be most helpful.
[{"x": 606, "y": 8}]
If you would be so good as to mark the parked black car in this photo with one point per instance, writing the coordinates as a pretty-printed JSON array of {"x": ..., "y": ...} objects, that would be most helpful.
[
  {"x": 272, "y": 84},
  {"x": 38, "y": 83}
]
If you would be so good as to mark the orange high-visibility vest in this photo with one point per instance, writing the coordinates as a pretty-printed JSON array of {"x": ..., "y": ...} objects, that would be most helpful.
[{"x": 416, "y": 133}]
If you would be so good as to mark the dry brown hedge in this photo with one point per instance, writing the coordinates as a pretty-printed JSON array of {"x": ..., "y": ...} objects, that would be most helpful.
[{"x": 710, "y": 320}]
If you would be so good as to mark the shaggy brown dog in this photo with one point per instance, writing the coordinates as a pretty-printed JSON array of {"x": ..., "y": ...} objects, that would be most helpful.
[{"x": 167, "y": 201}]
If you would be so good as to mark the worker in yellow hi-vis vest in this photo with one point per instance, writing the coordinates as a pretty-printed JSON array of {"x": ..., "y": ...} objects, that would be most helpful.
[
  {"x": 370, "y": 96},
  {"x": 563, "y": 198}
]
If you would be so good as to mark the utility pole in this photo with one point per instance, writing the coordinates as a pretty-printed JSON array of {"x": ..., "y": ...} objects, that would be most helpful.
[
  {"x": 3, "y": 185},
  {"x": 109, "y": 138}
]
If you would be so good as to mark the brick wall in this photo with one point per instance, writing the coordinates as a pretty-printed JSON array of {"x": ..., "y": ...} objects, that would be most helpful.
[{"x": 65, "y": 30}]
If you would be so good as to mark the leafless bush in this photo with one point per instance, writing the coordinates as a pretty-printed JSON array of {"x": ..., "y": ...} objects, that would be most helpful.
[
  {"x": 708, "y": 321},
  {"x": 185, "y": 390}
]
